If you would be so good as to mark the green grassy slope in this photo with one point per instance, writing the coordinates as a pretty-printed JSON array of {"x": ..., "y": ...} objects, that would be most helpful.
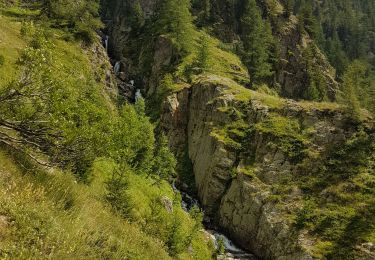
[
  {"x": 48, "y": 215},
  {"x": 52, "y": 213}
]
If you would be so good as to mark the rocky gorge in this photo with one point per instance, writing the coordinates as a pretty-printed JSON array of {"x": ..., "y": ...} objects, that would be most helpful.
[
  {"x": 239, "y": 186},
  {"x": 264, "y": 166}
]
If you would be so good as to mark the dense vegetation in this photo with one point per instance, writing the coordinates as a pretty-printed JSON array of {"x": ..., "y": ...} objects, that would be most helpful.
[
  {"x": 345, "y": 32},
  {"x": 57, "y": 113},
  {"x": 337, "y": 185},
  {"x": 93, "y": 174}
]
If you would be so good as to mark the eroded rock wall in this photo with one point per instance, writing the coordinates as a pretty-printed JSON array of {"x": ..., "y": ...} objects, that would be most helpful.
[{"x": 243, "y": 204}]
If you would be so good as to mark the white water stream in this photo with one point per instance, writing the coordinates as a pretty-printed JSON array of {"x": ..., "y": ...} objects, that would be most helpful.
[{"x": 231, "y": 250}]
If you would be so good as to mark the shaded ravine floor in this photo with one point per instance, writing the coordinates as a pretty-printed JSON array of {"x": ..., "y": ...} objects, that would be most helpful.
[{"x": 231, "y": 250}]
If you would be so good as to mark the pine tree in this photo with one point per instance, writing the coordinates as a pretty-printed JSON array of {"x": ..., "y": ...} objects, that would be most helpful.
[
  {"x": 176, "y": 22},
  {"x": 204, "y": 53},
  {"x": 117, "y": 195},
  {"x": 353, "y": 87},
  {"x": 206, "y": 4},
  {"x": 164, "y": 161},
  {"x": 257, "y": 39},
  {"x": 289, "y": 7},
  {"x": 307, "y": 21}
]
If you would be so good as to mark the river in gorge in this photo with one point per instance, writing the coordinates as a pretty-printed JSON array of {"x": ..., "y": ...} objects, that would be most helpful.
[{"x": 231, "y": 250}]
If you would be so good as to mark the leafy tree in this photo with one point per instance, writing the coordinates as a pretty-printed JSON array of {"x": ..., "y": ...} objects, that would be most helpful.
[
  {"x": 220, "y": 246},
  {"x": 140, "y": 107},
  {"x": 257, "y": 40},
  {"x": 137, "y": 17},
  {"x": 206, "y": 9},
  {"x": 80, "y": 17},
  {"x": 336, "y": 54}
]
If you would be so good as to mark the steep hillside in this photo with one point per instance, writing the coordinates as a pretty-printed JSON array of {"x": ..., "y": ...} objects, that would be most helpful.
[
  {"x": 287, "y": 179},
  {"x": 81, "y": 174},
  {"x": 247, "y": 107},
  {"x": 48, "y": 215}
]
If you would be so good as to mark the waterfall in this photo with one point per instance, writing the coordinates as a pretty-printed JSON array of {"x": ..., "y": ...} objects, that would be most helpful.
[
  {"x": 117, "y": 67},
  {"x": 138, "y": 95},
  {"x": 232, "y": 252},
  {"x": 106, "y": 43}
]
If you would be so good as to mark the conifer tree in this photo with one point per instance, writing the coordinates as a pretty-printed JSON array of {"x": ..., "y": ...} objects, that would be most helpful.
[
  {"x": 257, "y": 39},
  {"x": 206, "y": 4},
  {"x": 164, "y": 161},
  {"x": 354, "y": 86},
  {"x": 289, "y": 7},
  {"x": 176, "y": 22},
  {"x": 307, "y": 21},
  {"x": 204, "y": 53}
]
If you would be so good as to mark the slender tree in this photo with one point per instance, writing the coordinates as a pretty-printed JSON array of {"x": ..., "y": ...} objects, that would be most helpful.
[
  {"x": 257, "y": 39},
  {"x": 354, "y": 85},
  {"x": 176, "y": 22}
]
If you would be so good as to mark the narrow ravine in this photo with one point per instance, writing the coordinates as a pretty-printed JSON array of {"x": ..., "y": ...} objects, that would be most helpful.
[{"x": 231, "y": 250}]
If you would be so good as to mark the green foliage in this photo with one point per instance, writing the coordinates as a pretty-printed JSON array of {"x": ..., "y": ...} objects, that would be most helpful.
[
  {"x": 49, "y": 215},
  {"x": 205, "y": 11},
  {"x": 290, "y": 138},
  {"x": 185, "y": 171},
  {"x": 175, "y": 21},
  {"x": 220, "y": 246},
  {"x": 257, "y": 40},
  {"x": 112, "y": 149},
  {"x": 339, "y": 197},
  {"x": 2, "y": 60},
  {"x": 117, "y": 195},
  {"x": 154, "y": 102},
  {"x": 307, "y": 21},
  {"x": 203, "y": 53},
  {"x": 132, "y": 140},
  {"x": 27, "y": 29},
  {"x": 137, "y": 18},
  {"x": 81, "y": 18},
  {"x": 234, "y": 134},
  {"x": 354, "y": 85},
  {"x": 164, "y": 166},
  {"x": 317, "y": 89}
]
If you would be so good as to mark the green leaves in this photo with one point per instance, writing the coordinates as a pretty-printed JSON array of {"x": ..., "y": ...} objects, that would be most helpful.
[{"x": 80, "y": 17}]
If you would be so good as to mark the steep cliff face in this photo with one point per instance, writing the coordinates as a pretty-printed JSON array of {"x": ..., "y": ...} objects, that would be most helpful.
[{"x": 246, "y": 148}]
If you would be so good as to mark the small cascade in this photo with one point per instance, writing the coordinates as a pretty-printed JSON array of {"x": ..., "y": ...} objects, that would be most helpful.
[
  {"x": 126, "y": 89},
  {"x": 117, "y": 67},
  {"x": 106, "y": 41},
  {"x": 231, "y": 251},
  {"x": 138, "y": 95}
]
